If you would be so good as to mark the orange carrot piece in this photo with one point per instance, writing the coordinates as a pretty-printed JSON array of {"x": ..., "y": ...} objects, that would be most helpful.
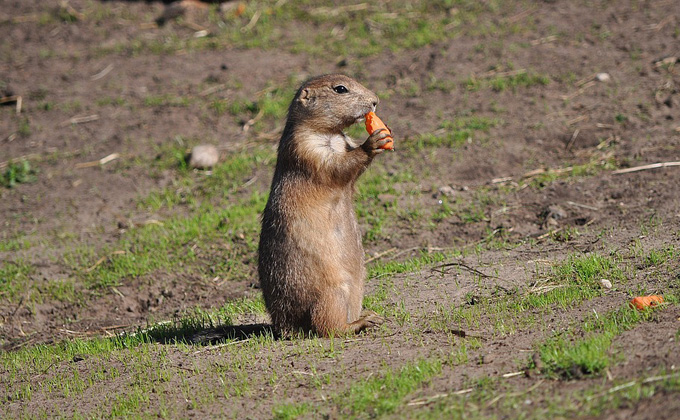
[
  {"x": 374, "y": 123},
  {"x": 642, "y": 302}
]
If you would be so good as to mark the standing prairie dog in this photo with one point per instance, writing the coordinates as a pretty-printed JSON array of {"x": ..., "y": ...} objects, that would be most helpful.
[{"x": 311, "y": 261}]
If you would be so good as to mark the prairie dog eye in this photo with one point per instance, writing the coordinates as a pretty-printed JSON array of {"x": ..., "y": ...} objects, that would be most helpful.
[{"x": 340, "y": 89}]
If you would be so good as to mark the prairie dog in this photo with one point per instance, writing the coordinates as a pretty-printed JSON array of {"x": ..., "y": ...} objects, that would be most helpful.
[{"x": 311, "y": 260}]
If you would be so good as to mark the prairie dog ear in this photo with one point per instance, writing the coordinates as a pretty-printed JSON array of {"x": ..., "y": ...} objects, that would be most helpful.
[{"x": 305, "y": 97}]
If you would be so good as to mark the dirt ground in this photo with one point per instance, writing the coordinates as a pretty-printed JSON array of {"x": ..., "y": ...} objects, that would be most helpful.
[{"x": 611, "y": 100}]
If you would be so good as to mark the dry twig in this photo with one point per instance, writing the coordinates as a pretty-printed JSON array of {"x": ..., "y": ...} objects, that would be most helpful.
[
  {"x": 572, "y": 140},
  {"x": 80, "y": 120},
  {"x": 618, "y": 388},
  {"x": 380, "y": 255},
  {"x": 646, "y": 167},
  {"x": 13, "y": 98},
  {"x": 578, "y": 92},
  {"x": 583, "y": 206},
  {"x": 102, "y": 73},
  {"x": 461, "y": 265},
  {"x": 338, "y": 10},
  {"x": 102, "y": 259},
  {"x": 521, "y": 15},
  {"x": 102, "y": 161},
  {"x": 253, "y": 22},
  {"x": 545, "y": 40}
]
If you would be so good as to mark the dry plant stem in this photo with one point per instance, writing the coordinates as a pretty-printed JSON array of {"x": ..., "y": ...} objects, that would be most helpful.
[
  {"x": 514, "y": 394},
  {"x": 521, "y": 15},
  {"x": 577, "y": 119},
  {"x": 13, "y": 98},
  {"x": 380, "y": 255},
  {"x": 424, "y": 401},
  {"x": 80, "y": 120},
  {"x": 572, "y": 140},
  {"x": 618, "y": 388},
  {"x": 545, "y": 40},
  {"x": 584, "y": 206},
  {"x": 338, "y": 10},
  {"x": 646, "y": 167},
  {"x": 213, "y": 89},
  {"x": 219, "y": 346},
  {"x": 461, "y": 265},
  {"x": 102, "y": 259},
  {"x": 102, "y": 161},
  {"x": 578, "y": 92},
  {"x": 102, "y": 73},
  {"x": 253, "y": 22}
]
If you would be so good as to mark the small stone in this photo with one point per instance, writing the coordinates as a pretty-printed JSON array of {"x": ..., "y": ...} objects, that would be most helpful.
[
  {"x": 446, "y": 191},
  {"x": 603, "y": 77},
  {"x": 204, "y": 156},
  {"x": 606, "y": 283}
]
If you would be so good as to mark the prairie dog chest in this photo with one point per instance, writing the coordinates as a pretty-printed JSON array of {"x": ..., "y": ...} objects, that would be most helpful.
[{"x": 327, "y": 221}]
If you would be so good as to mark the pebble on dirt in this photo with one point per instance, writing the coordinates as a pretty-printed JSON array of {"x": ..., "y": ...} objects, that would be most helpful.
[
  {"x": 446, "y": 191},
  {"x": 603, "y": 77},
  {"x": 606, "y": 283},
  {"x": 204, "y": 156}
]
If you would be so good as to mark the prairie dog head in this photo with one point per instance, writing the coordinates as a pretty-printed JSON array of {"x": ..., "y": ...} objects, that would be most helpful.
[{"x": 331, "y": 103}]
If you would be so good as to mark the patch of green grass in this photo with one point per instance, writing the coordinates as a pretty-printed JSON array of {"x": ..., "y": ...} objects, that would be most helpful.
[
  {"x": 223, "y": 217},
  {"x": 375, "y": 396},
  {"x": 47, "y": 106},
  {"x": 454, "y": 133},
  {"x": 177, "y": 242},
  {"x": 497, "y": 399},
  {"x": 30, "y": 360},
  {"x": 271, "y": 104},
  {"x": 566, "y": 284},
  {"x": 585, "y": 350},
  {"x": 565, "y": 234},
  {"x": 219, "y": 106},
  {"x": 657, "y": 257},
  {"x": 71, "y": 106},
  {"x": 320, "y": 28},
  {"x": 66, "y": 14},
  {"x": 24, "y": 129},
  {"x": 290, "y": 411},
  {"x": 13, "y": 242},
  {"x": 460, "y": 351},
  {"x": 59, "y": 290},
  {"x": 385, "y": 394},
  {"x": 117, "y": 102},
  {"x": 591, "y": 168},
  {"x": 18, "y": 173},
  {"x": 585, "y": 271},
  {"x": 374, "y": 187},
  {"x": 388, "y": 268},
  {"x": 15, "y": 279},
  {"x": 200, "y": 189}
]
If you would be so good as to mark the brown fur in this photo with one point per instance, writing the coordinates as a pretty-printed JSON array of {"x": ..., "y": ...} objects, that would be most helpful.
[{"x": 311, "y": 261}]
